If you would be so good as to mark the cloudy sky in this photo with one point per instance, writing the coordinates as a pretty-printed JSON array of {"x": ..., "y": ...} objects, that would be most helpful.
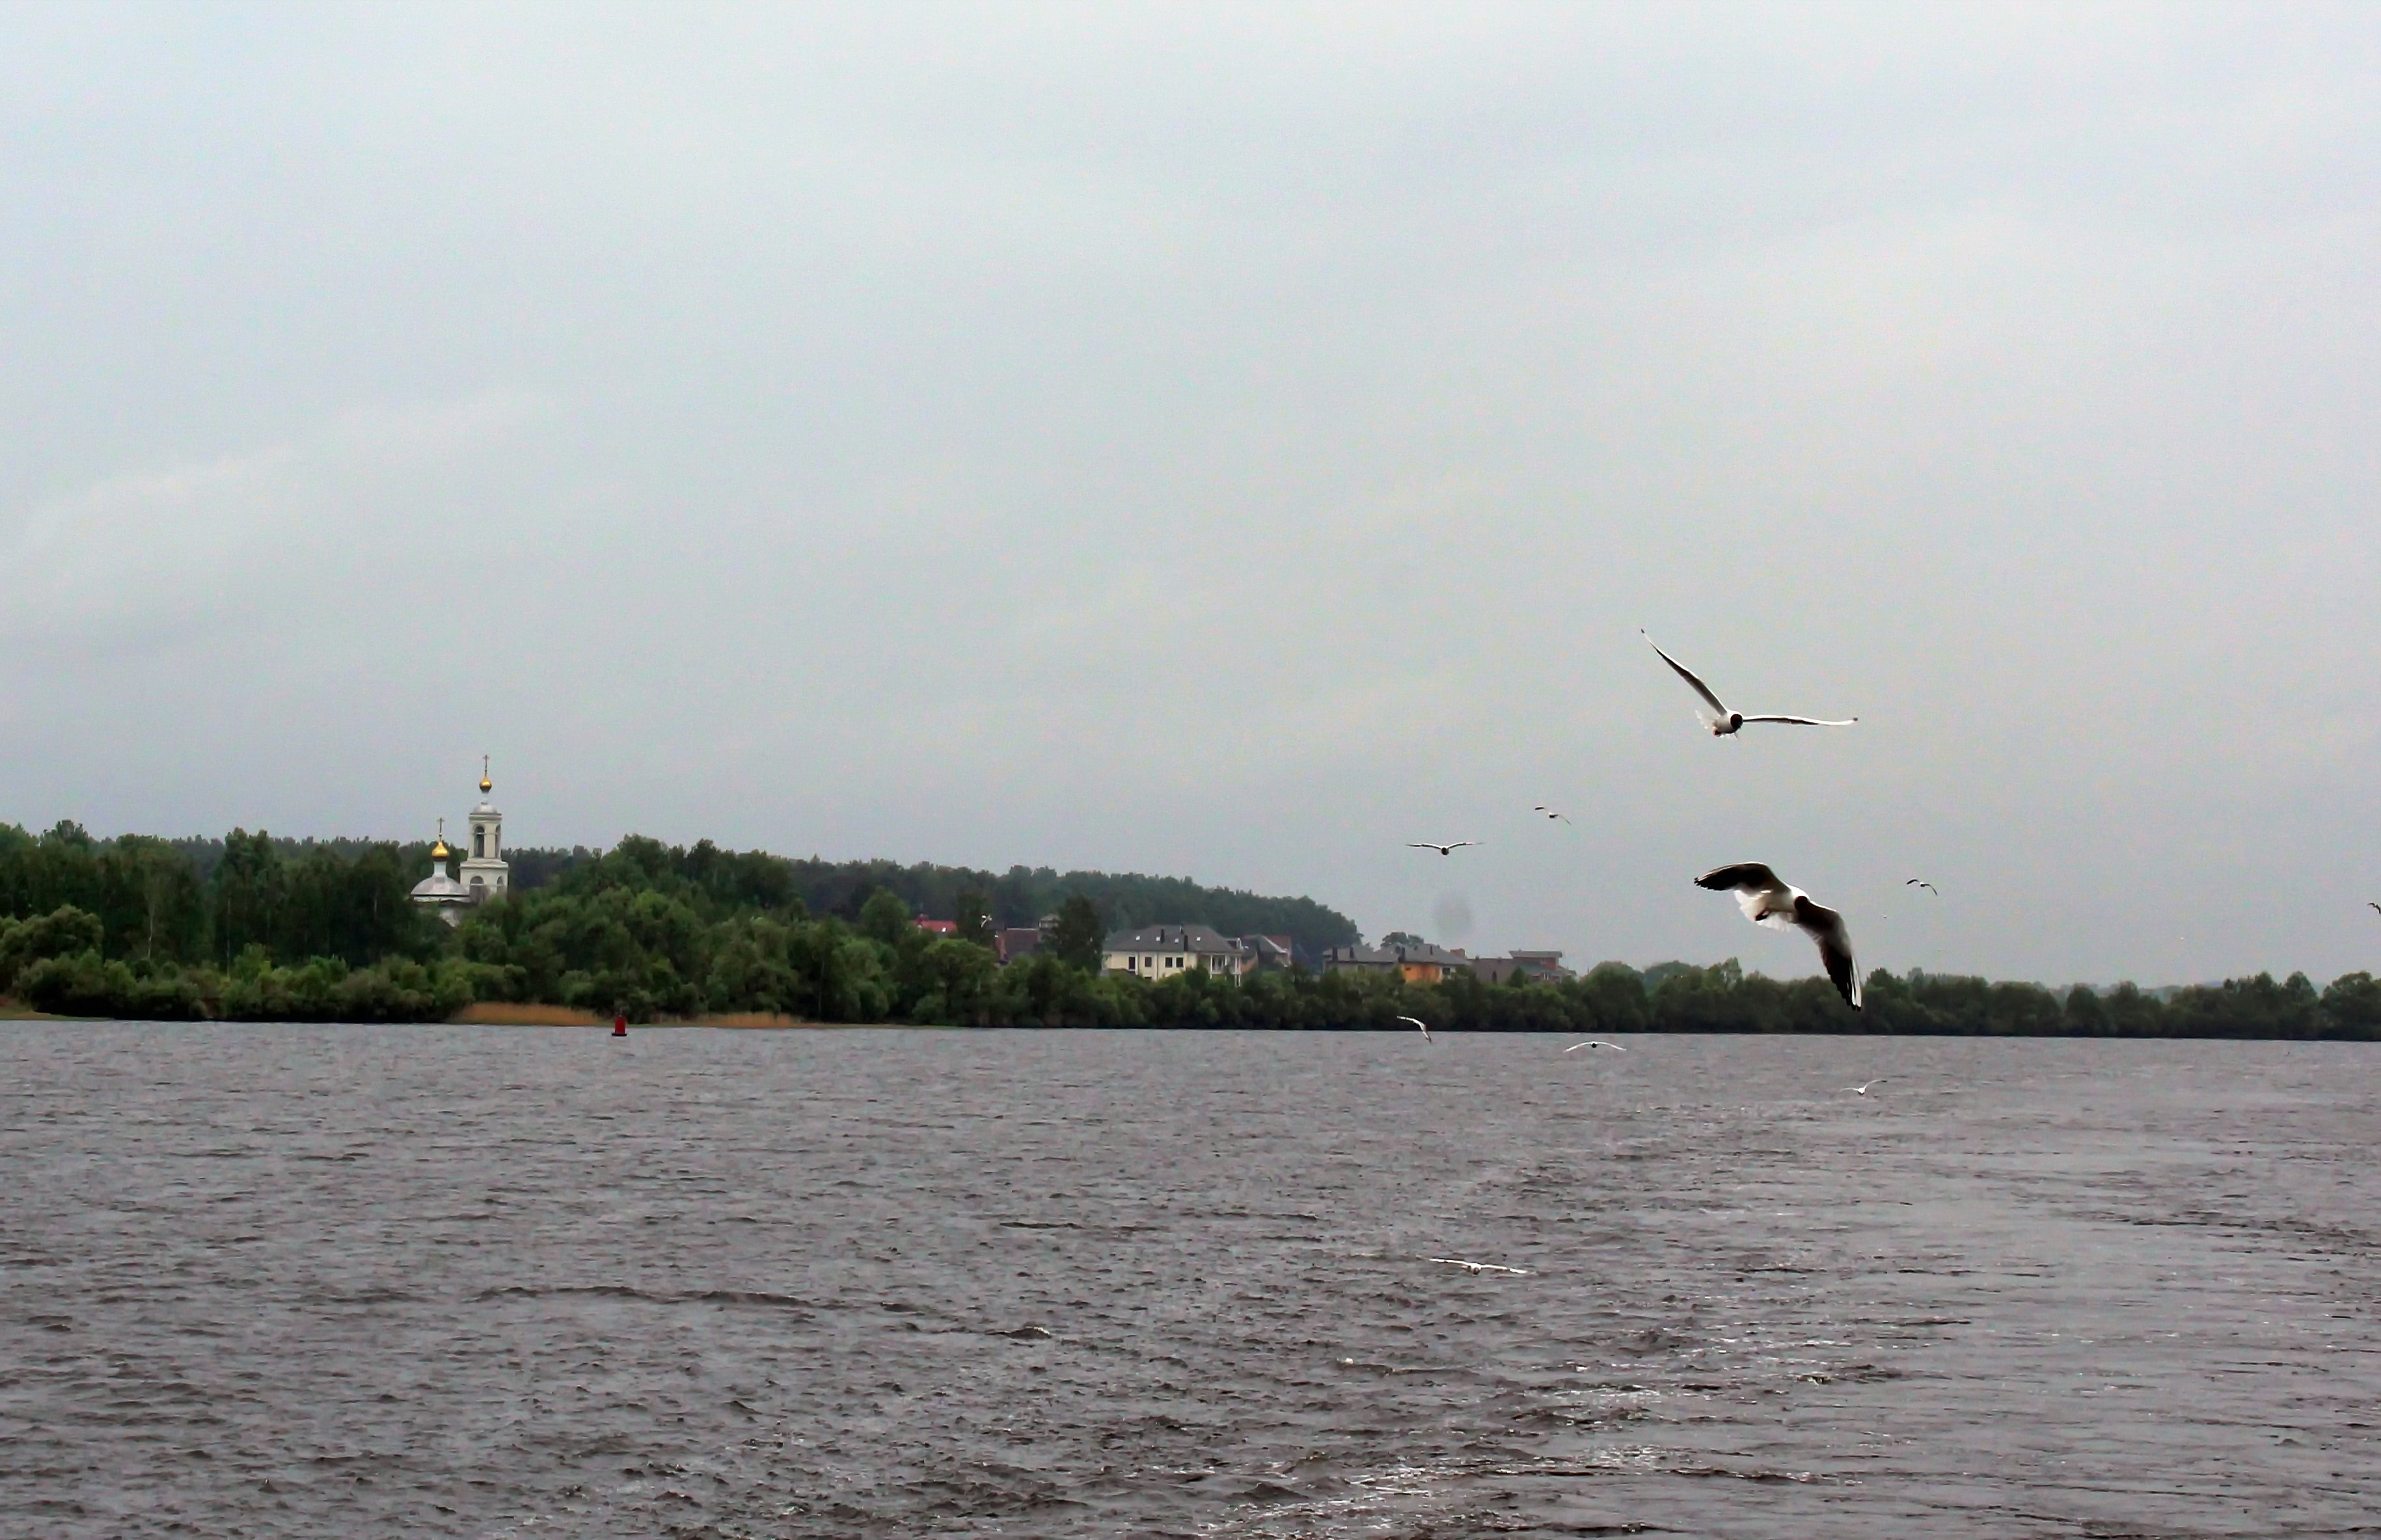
[{"x": 1231, "y": 442}]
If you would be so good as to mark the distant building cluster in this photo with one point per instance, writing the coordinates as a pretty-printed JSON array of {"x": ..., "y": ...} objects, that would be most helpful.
[
  {"x": 1161, "y": 951},
  {"x": 1421, "y": 962}
]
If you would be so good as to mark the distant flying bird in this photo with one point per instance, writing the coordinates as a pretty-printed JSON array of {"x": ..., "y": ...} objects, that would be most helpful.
[
  {"x": 2375, "y": 908},
  {"x": 1768, "y": 900},
  {"x": 1595, "y": 1043},
  {"x": 1549, "y": 813},
  {"x": 1863, "y": 1090},
  {"x": 1927, "y": 886},
  {"x": 1447, "y": 850},
  {"x": 1722, "y": 721},
  {"x": 1478, "y": 1266},
  {"x": 1419, "y": 1022}
]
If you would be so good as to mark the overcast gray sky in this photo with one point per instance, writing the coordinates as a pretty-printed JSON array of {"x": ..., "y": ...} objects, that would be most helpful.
[{"x": 1231, "y": 442}]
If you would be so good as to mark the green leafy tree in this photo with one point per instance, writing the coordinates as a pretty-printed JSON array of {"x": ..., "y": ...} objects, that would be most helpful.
[
  {"x": 248, "y": 893},
  {"x": 1079, "y": 939},
  {"x": 974, "y": 916},
  {"x": 885, "y": 919},
  {"x": 2085, "y": 1015},
  {"x": 65, "y": 932},
  {"x": 2352, "y": 1007}
]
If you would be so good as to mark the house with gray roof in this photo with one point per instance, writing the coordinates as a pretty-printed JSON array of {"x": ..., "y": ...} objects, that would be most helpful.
[
  {"x": 1540, "y": 967},
  {"x": 1161, "y": 951},
  {"x": 1414, "y": 961}
]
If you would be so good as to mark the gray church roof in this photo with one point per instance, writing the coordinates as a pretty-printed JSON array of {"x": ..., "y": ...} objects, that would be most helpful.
[{"x": 438, "y": 885}]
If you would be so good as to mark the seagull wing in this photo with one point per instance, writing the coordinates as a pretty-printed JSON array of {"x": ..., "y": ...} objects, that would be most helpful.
[
  {"x": 1807, "y": 721},
  {"x": 1825, "y": 927},
  {"x": 1687, "y": 674},
  {"x": 1759, "y": 892},
  {"x": 1458, "y": 845},
  {"x": 1424, "y": 845},
  {"x": 1419, "y": 1022},
  {"x": 1744, "y": 874}
]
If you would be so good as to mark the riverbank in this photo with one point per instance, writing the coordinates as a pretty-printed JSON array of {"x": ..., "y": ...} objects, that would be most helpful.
[{"x": 500, "y": 1013}]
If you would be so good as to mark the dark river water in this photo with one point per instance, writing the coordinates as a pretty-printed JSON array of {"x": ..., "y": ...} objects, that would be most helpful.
[{"x": 523, "y": 1282}]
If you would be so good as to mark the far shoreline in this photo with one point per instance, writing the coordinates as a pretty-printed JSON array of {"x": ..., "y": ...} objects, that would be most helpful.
[{"x": 508, "y": 1014}]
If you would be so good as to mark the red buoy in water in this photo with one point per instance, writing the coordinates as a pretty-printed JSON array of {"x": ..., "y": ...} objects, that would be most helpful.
[{"x": 619, "y": 1025}]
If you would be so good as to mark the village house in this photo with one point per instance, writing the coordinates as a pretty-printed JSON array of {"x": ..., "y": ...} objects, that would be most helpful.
[
  {"x": 1414, "y": 961},
  {"x": 1271, "y": 953},
  {"x": 1161, "y": 951},
  {"x": 1536, "y": 967}
]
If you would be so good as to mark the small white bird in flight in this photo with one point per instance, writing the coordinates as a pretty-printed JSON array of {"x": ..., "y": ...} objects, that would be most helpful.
[
  {"x": 1919, "y": 881},
  {"x": 1550, "y": 812},
  {"x": 1863, "y": 1090},
  {"x": 1446, "y": 849},
  {"x": 1595, "y": 1043},
  {"x": 1419, "y": 1022},
  {"x": 1766, "y": 900},
  {"x": 1478, "y": 1266},
  {"x": 1722, "y": 721}
]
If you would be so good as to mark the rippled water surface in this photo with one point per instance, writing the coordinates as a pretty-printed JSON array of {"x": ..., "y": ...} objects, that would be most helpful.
[{"x": 306, "y": 1281}]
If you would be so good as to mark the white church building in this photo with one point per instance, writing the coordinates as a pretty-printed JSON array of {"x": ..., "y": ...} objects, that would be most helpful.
[{"x": 485, "y": 873}]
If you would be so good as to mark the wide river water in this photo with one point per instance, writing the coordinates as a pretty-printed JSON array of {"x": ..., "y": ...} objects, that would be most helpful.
[{"x": 275, "y": 1281}]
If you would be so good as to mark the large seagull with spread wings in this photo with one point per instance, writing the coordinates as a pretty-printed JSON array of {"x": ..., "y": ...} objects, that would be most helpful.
[
  {"x": 1719, "y": 719},
  {"x": 1769, "y": 899}
]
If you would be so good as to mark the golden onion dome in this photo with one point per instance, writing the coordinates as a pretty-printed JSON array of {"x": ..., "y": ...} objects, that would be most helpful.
[
  {"x": 486, "y": 785},
  {"x": 439, "y": 851}
]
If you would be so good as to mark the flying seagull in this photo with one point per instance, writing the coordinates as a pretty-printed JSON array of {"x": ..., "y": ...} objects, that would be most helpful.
[
  {"x": 1768, "y": 900},
  {"x": 1916, "y": 882},
  {"x": 1447, "y": 850},
  {"x": 1595, "y": 1043},
  {"x": 1478, "y": 1266},
  {"x": 1550, "y": 812},
  {"x": 1862, "y": 1089},
  {"x": 1721, "y": 720},
  {"x": 2375, "y": 908},
  {"x": 1419, "y": 1022}
]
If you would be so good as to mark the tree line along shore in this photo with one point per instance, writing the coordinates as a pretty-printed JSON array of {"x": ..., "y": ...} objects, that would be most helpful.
[{"x": 253, "y": 928}]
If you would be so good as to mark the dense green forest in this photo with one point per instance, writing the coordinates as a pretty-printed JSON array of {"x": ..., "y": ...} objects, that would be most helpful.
[
  {"x": 258, "y": 929},
  {"x": 1020, "y": 896}
]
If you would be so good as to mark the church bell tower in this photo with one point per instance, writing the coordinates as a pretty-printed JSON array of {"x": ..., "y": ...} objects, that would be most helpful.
[{"x": 484, "y": 871}]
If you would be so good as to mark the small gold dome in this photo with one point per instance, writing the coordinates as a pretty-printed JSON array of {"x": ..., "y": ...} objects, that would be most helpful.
[
  {"x": 486, "y": 785},
  {"x": 439, "y": 851}
]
